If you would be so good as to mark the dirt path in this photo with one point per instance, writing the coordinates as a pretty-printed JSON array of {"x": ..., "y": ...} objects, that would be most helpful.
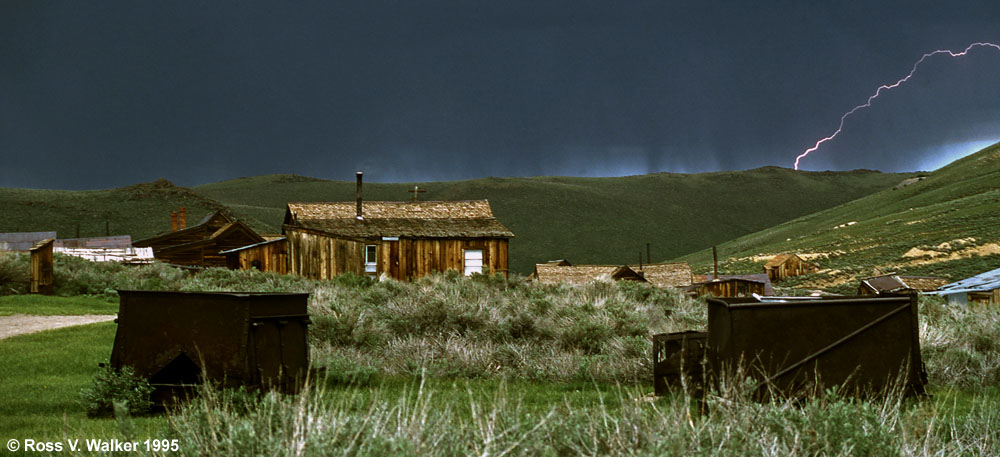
[{"x": 19, "y": 324}]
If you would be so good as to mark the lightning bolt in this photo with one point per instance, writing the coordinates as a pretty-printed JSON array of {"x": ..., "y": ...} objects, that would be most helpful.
[{"x": 886, "y": 87}]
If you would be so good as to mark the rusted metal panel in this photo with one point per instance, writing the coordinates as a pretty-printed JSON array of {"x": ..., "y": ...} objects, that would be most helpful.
[
  {"x": 252, "y": 339},
  {"x": 41, "y": 268},
  {"x": 678, "y": 359},
  {"x": 792, "y": 345}
]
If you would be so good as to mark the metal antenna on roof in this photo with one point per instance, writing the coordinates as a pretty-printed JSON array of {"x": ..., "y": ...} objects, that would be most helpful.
[{"x": 415, "y": 190}]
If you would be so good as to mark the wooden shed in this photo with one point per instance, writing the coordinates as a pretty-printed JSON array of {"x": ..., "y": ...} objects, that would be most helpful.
[
  {"x": 200, "y": 245},
  {"x": 547, "y": 273},
  {"x": 755, "y": 277},
  {"x": 41, "y": 267},
  {"x": 899, "y": 283},
  {"x": 727, "y": 288},
  {"x": 787, "y": 265},
  {"x": 670, "y": 274},
  {"x": 404, "y": 240},
  {"x": 270, "y": 255}
]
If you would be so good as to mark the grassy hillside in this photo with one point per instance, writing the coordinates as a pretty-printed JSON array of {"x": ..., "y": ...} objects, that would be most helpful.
[
  {"x": 141, "y": 210},
  {"x": 594, "y": 220},
  {"x": 945, "y": 224}
]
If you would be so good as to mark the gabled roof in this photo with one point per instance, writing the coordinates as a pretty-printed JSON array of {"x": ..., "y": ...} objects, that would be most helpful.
[
  {"x": 426, "y": 219},
  {"x": 583, "y": 274},
  {"x": 979, "y": 283},
  {"x": 217, "y": 217},
  {"x": 670, "y": 274},
  {"x": 780, "y": 259}
]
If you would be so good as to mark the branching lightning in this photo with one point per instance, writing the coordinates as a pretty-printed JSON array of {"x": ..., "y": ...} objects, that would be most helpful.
[{"x": 885, "y": 87}]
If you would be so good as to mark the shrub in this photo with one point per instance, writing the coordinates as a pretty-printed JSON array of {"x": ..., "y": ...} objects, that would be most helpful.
[
  {"x": 14, "y": 277},
  {"x": 117, "y": 388}
]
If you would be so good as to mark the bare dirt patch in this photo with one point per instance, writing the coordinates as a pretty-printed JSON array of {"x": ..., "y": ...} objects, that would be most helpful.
[{"x": 19, "y": 324}]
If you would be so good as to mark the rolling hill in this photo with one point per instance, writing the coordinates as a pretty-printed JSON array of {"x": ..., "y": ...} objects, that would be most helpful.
[
  {"x": 586, "y": 220},
  {"x": 945, "y": 223},
  {"x": 593, "y": 220}
]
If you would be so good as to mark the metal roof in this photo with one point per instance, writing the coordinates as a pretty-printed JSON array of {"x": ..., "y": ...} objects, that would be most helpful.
[{"x": 978, "y": 283}]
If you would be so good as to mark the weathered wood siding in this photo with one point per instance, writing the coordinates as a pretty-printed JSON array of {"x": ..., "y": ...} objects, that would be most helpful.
[
  {"x": 793, "y": 266},
  {"x": 42, "y": 278},
  {"x": 315, "y": 255},
  {"x": 731, "y": 288},
  {"x": 268, "y": 257}
]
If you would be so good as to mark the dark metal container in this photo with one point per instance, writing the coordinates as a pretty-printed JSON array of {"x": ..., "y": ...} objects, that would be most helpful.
[
  {"x": 862, "y": 344},
  {"x": 679, "y": 356},
  {"x": 235, "y": 338}
]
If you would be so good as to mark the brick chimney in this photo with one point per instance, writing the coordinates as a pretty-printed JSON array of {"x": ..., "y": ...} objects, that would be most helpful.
[
  {"x": 182, "y": 217},
  {"x": 173, "y": 221}
]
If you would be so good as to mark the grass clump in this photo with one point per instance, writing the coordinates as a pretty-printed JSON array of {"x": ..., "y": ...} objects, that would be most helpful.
[{"x": 117, "y": 391}]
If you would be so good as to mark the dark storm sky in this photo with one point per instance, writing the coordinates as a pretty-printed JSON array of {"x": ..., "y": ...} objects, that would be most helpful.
[{"x": 109, "y": 93}]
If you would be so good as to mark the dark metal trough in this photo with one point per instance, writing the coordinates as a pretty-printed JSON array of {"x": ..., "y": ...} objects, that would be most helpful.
[
  {"x": 236, "y": 339},
  {"x": 861, "y": 344},
  {"x": 679, "y": 358}
]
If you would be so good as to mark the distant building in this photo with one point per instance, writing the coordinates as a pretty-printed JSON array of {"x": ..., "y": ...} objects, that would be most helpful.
[
  {"x": 583, "y": 274},
  {"x": 743, "y": 285},
  {"x": 23, "y": 241},
  {"x": 670, "y": 274},
  {"x": 899, "y": 283},
  {"x": 983, "y": 288},
  {"x": 201, "y": 244},
  {"x": 787, "y": 265}
]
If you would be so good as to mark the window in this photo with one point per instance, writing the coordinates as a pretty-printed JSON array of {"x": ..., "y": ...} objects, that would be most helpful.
[
  {"x": 370, "y": 259},
  {"x": 473, "y": 261}
]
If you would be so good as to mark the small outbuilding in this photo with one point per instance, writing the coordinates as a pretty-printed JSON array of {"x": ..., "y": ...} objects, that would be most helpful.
[
  {"x": 787, "y": 265},
  {"x": 270, "y": 255},
  {"x": 892, "y": 283},
  {"x": 983, "y": 288},
  {"x": 728, "y": 288},
  {"x": 41, "y": 268}
]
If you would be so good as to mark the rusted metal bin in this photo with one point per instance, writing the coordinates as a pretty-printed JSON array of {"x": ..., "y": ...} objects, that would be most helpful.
[
  {"x": 236, "y": 338},
  {"x": 862, "y": 344},
  {"x": 679, "y": 355}
]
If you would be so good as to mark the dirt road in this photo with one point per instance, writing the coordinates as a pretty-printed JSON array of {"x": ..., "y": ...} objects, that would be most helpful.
[{"x": 19, "y": 324}]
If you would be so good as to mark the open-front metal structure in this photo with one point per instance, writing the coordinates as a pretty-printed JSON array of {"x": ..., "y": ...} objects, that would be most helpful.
[{"x": 235, "y": 339}]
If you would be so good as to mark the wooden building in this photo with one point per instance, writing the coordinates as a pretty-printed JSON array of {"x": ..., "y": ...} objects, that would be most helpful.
[
  {"x": 548, "y": 273},
  {"x": 670, "y": 274},
  {"x": 270, "y": 255},
  {"x": 201, "y": 244},
  {"x": 787, "y": 265},
  {"x": 730, "y": 287},
  {"x": 404, "y": 240},
  {"x": 41, "y": 267},
  {"x": 899, "y": 283},
  {"x": 755, "y": 277}
]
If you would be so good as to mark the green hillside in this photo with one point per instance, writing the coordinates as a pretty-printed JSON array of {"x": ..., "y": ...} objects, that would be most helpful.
[
  {"x": 142, "y": 210},
  {"x": 945, "y": 224},
  {"x": 594, "y": 220}
]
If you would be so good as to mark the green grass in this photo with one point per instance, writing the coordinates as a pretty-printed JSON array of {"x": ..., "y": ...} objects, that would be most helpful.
[
  {"x": 961, "y": 200},
  {"x": 41, "y": 305},
  {"x": 43, "y": 374}
]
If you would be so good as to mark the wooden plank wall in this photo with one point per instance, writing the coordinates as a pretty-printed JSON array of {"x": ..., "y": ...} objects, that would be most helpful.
[
  {"x": 315, "y": 255},
  {"x": 271, "y": 257},
  {"x": 322, "y": 257},
  {"x": 41, "y": 267}
]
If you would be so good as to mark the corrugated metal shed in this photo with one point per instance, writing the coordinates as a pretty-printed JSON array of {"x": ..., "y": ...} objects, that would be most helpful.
[
  {"x": 117, "y": 242},
  {"x": 22, "y": 241},
  {"x": 982, "y": 287}
]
